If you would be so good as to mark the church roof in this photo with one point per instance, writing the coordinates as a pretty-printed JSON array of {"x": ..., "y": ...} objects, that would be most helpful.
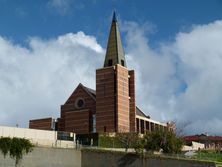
[
  {"x": 114, "y": 52},
  {"x": 138, "y": 111},
  {"x": 91, "y": 91}
]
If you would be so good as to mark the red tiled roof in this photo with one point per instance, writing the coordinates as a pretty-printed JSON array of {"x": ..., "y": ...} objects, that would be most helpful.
[
  {"x": 215, "y": 138},
  {"x": 191, "y": 138},
  {"x": 202, "y": 137}
]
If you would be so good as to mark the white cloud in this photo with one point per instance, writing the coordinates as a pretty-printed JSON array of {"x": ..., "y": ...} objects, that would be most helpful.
[
  {"x": 200, "y": 67},
  {"x": 35, "y": 81},
  {"x": 179, "y": 80}
]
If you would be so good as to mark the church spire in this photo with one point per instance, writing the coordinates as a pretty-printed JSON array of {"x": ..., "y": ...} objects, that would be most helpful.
[
  {"x": 114, "y": 17},
  {"x": 114, "y": 52}
]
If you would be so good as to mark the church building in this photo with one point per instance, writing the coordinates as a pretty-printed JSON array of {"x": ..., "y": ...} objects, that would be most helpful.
[{"x": 109, "y": 108}]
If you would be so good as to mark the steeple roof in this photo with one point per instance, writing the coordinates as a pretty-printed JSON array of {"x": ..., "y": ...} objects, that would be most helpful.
[{"x": 114, "y": 52}]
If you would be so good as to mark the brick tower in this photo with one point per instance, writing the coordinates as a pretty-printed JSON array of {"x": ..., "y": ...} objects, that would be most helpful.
[{"x": 115, "y": 88}]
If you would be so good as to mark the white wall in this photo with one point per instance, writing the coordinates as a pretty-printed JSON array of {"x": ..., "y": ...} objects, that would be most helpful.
[
  {"x": 194, "y": 147},
  {"x": 197, "y": 145},
  {"x": 37, "y": 137}
]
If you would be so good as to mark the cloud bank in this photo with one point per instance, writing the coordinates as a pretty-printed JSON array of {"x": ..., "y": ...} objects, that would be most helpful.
[
  {"x": 179, "y": 80},
  {"x": 35, "y": 81}
]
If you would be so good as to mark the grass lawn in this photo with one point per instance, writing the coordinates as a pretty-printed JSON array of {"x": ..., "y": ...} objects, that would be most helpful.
[{"x": 209, "y": 155}]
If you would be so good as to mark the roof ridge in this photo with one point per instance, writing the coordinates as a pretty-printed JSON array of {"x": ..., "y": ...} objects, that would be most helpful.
[
  {"x": 141, "y": 113},
  {"x": 88, "y": 91}
]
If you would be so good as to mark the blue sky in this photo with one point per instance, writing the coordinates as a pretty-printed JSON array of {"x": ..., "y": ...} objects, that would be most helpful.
[
  {"x": 48, "y": 47},
  {"x": 24, "y": 18}
]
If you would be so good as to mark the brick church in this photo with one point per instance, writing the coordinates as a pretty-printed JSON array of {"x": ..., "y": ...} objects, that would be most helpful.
[{"x": 109, "y": 108}]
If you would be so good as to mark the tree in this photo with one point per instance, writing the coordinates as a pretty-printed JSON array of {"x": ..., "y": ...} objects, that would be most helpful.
[
  {"x": 138, "y": 145},
  {"x": 16, "y": 147},
  {"x": 180, "y": 127},
  {"x": 165, "y": 140},
  {"x": 173, "y": 144},
  {"x": 127, "y": 139}
]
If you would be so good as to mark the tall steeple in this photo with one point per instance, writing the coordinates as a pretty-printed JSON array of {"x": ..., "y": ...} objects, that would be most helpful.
[{"x": 114, "y": 52}]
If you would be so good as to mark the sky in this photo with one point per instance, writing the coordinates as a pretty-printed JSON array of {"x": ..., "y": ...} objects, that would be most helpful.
[{"x": 47, "y": 47}]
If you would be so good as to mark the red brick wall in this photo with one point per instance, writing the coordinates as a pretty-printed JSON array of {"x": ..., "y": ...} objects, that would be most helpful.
[
  {"x": 112, "y": 99},
  {"x": 132, "y": 101},
  {"x": 61, "y": 124},
  {"x": 105, "y": 100},
  {"x": 70, "y": 114},
  {"x": 42, "y": 124},
  {"x": 77, "y": 121},
  {"x": 122, "y": 96}
]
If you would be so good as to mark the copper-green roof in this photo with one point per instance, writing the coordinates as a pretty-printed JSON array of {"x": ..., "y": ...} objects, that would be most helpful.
[{"x": 114, "y": 52}]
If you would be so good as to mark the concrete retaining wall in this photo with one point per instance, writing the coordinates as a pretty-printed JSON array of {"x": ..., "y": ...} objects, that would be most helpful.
[
  {"x": 110, "y": 159},
  {"x": 46, "y": 157},
  {"x": 60, "y": 157}
]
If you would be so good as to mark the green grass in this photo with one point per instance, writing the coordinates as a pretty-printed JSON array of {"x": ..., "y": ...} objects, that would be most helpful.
[
  {"x": 209, "y": 155},
  {"x": 110, "y": 142}
]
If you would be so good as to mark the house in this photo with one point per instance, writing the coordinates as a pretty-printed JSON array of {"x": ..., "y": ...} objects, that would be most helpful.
[{"x": 210, "y": 142}]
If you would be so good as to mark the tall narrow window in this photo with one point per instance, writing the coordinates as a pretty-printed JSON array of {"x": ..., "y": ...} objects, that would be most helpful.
[
  {"x": 110, "y": 62},
  {"x": 94, "y": 123},
  {"x": 142, "y": 126},
  {"x": 114, "y": 83},
  {"x": 129, "y": 87},
  {"x": 137, "y": 125},
  {"x": 147, "y": 126},
  {"x": 122, "y": 62},
  {"x": 152, "y": 127}
]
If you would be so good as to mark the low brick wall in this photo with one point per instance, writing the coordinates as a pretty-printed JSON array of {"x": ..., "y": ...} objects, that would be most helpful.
[
  {"x": 46, "y": 157},
  {"x": 97, "y": 158}
]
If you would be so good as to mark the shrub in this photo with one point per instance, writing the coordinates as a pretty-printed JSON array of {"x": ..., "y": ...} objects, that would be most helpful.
[
  {"x": 16, "y": 147},
  {"x": 128, "y": 140},
  {"x": 165, "y": 140},
  {"x": 5, "y": 145}
]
